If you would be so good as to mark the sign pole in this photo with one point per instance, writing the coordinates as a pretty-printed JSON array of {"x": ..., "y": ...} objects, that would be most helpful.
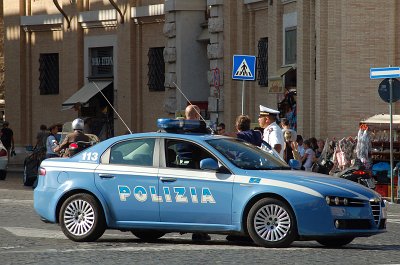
[
  {"x": 244, "y": 68},
  {"x": 388, "y": 73},
  {"x": 217, "y": 82},
  {"x": 391, "y": 140},
  {"x": 242, "y": 97}
]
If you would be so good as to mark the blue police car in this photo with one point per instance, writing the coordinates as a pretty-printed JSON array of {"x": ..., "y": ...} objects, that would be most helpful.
[{"x": 180, "y": 180}]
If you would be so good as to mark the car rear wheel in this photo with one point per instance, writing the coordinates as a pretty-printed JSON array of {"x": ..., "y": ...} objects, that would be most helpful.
[
  {"x": 335, "y": 242},
  {"x": 82, "y": 218},
  {"x": 148, "y": 235},
  {"x": 271, "y": 223}
]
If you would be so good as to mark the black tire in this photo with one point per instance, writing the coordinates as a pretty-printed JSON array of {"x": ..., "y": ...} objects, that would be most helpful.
[
  {"x": 27, "y": 180},
  {"x": 335, "y": 242},
  {"x": 3, "y": 174},
  {"x": 82, "y": 218},
  {"x": 148, "y": 235},
  {"x": 271, "y": 223}
]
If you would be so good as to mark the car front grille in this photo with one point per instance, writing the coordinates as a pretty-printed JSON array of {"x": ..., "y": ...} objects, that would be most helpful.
[{"x": 376, "y": 210}]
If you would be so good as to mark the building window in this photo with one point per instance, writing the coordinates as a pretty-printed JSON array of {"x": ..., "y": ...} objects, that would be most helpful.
[
  {"x": 262, "y": 62},
  {"x": 156, "y": 68},
  {"x": 48, "y": 74},
  {"x": 290, "y": 45}
]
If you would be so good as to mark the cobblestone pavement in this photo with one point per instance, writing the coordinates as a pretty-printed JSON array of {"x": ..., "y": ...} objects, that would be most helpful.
[{"x": 24, "y": 239}]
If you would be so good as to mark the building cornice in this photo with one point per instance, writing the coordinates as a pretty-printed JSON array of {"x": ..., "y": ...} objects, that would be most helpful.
[
  {"x": 148, "y": 14},
  {"x": 98, "y": 19},
  {"x": 42, "y": 22},
  {"x": 184, "y": 5}
]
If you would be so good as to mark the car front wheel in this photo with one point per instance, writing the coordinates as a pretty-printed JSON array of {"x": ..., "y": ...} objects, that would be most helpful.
[
  {"x": 81, "y": 218},
  {"x": 271, "y": 223}
]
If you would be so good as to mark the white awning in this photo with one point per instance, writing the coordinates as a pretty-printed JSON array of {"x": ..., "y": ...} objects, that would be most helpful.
[
  {"x": 382, "y": 122},
  {"x": 84, "y": 94},
  {"x": 382, "y": 119}
]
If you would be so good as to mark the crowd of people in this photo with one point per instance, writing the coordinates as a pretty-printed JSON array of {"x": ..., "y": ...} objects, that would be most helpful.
[
  {"x": 48, "y": 140},
  {"x": 278, "y": 134}
]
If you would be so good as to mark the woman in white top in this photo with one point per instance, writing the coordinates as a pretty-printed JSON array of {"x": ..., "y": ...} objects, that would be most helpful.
[
  {"x": 308, "y": 157},
  {"x": 51, "y": 142}
]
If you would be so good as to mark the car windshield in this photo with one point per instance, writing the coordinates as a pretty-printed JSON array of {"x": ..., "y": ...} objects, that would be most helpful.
[{"x": 246, "y": 156}]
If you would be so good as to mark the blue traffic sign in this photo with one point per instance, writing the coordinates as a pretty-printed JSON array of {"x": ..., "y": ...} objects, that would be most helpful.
[
  {"x": 386, "y": 72},
  {"x": 244, "y": 67}
]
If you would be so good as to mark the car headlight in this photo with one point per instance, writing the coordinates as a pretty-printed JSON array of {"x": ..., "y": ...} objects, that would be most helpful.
[{"x": 342, "y": 201}]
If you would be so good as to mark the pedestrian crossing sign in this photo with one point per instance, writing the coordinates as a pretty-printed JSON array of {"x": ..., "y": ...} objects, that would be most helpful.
[{"x": 244, "y": 67}]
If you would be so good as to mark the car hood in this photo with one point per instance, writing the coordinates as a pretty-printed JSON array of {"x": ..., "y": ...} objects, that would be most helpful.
[{"x": 311, "y": 183}]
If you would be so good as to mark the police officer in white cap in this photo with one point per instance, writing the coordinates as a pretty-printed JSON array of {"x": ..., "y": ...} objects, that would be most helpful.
[{"x": 272, "y": 132}]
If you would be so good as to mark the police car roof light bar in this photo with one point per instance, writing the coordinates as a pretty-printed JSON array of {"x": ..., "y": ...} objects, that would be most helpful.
[
  {"x": 112, "y": 107},
  {"x": 181, "y": 126}
]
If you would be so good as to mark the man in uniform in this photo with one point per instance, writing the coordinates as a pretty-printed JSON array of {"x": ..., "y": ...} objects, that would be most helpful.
[{"x": 272, "y": 132}]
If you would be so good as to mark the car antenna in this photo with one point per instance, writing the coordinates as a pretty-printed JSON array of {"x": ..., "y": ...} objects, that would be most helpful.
[
  {"x": 112, "y": 107},
  {"x": 193, "y": 108}
]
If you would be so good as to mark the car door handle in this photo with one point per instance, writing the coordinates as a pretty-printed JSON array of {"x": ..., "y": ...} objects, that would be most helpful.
[
  {"x": 106, "y": 176},
  {"x": 167, "y": 179}
]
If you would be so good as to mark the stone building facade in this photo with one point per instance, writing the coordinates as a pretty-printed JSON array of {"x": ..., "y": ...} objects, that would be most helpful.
[{"x": 313, "y": 57}]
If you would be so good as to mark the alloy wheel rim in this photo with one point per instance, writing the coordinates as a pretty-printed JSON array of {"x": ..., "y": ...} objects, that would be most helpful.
[
  {"x": 79, "y": 217},
  {"x": 272, "y": 222}
]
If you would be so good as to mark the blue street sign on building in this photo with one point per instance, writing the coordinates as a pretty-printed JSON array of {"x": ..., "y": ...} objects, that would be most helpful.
[
  {"x": 386, "y": 72},
  {"x": 244, "y": 67}
]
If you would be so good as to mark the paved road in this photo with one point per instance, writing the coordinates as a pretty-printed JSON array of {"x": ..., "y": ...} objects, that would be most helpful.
[{"x": 24, "y": 239}]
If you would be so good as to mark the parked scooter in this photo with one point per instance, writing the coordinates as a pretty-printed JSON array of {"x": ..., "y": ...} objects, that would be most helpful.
[{"x": 356, "y": 173}]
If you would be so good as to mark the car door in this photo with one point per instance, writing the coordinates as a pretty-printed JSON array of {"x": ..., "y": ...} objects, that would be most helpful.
[
  {"x": 127, "y": 179},
  {"x": 191, "y": 195}
]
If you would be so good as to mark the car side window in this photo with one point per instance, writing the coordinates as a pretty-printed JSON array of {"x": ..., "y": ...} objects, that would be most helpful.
[
  {"x": 183, "y": 154},
  {"x": 138, "y": 152}
]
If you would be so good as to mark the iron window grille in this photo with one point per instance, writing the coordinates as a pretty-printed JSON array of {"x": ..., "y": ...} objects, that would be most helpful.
[
  {"x": 156, "y": 69},
  {"x": 48, "y": 74},
  {"x": 262, "y": 62}
]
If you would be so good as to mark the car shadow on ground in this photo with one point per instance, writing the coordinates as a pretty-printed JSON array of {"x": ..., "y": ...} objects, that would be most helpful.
[
  {"x": 176, "y": 241},
  {"x": 223, "y": 242}
]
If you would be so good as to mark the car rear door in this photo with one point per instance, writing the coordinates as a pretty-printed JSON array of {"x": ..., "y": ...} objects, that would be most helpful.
[
  {"x": 191, "y": 195},
  {"x": 127, "y": 179}
]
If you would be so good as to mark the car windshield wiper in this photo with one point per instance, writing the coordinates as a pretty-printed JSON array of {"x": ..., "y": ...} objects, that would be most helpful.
[
  {"x": 267, "y": 168},
  {"x": 276, "y": 168}
]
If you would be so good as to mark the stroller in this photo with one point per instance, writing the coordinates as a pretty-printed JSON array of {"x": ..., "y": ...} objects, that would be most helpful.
[
  {"x": 31, "y": 165},
  {"x": 325, "y": 162}
]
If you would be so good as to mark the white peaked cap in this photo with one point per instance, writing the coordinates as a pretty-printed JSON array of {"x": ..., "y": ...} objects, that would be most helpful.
[{"x": 267, "y": 111}]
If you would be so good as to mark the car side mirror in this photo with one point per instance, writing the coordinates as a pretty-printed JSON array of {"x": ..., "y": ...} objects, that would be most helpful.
[
  {"x": 294, "y": 164},
  {"x": 209, "y": 164}
]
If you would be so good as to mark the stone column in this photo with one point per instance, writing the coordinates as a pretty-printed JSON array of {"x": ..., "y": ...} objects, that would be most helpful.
[
  {"x": 185, "y": 56},
  {"x": 215, "y": 53}
]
